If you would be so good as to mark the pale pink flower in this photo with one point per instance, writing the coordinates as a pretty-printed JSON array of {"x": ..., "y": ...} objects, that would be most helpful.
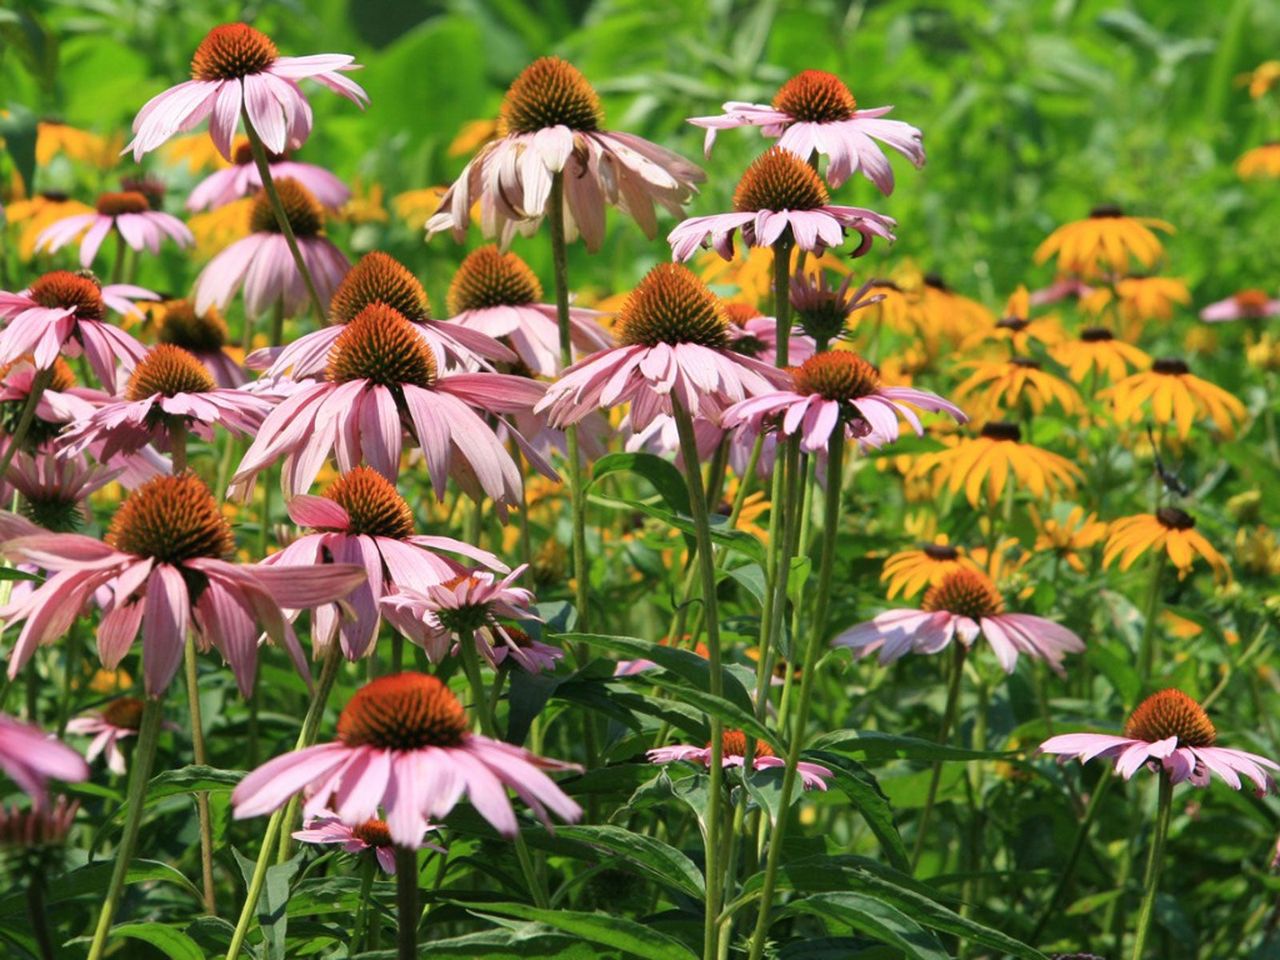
[
  {"x": 538, "y": 656},
  {"x": 242, "y": 179},
  {"x": 550, "y": 123},
  {"x": 733, "y": 754},
  {"x": 1168, "y": 731},
  {"x": 963, "y": 605},
  {"x": 31, "y": 758},
  {"x": 1062, "y": 288},
  {"x": 262, "y": 264},
  {"x": 238, "y": 68},
  {"x": 118, "y": 720},
  {"x": 54, "y": 489},
  {"x": 61, "y": 401},
  {"x": 674, "y": 341},
  {"x": 780, "y": 196},
  {"x": 129, "y": 213},
  {"x": 755, "y": 335},
  {"x": 362, "y": 519},
  {"x": 371, "y": 835},
  {"x": 822, "y": 311},
  {"x": 166, "y": 534},
  {"x": 404, "y": 744},
  {"x": 1245, "y": 305},
  {"x": 204, "y": 336},
  {"x": 815, "y": 112},
  {"x": 837, "y": 390}
]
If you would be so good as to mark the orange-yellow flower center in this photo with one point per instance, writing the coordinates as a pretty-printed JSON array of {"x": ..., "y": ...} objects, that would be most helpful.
[
  {"x": 779, "y": 180},
  {"x": 183, "y": 327},
  {"x": 815, "y": 96},
  {"x": 1171, "y": 713},
  {"x": 126, "y": 713},
  {"x": 301, "y": 209},
  {"x": 550, "y": 92},
  {"x": 67, "y": 290},
  {"x": 490, "y": 278},
  {"x": 372, "y": 502},
  {"x": 733, "y": 743},
  {"x": 836, "y": 375},
  {"x": 379, "y": 278},
  {"x": 672, "y": 306},
  {"x": 403, "y": 711},
  {"x": 63, "y": 378},
  {"x": 127, "y": 201},
  {"x": 375, "y": 833},
  {"x": 1002, "y": 430},
  {"x": 232, "y": 51},
  {"x": 381, "y": 346},
  {"x": 1170, "y": 367},
  {"x": 168, "y": 371},
  {"x": 739, "y": 313},
  {"x": 966, "y": 593},
  {"x": 171, "y": 519},
  {"x": 1171, "y": 518},
  {"x": 1252, "y": 302}
]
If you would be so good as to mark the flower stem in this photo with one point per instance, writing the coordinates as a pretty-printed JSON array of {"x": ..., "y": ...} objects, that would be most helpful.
[
  {"x": 202, "y": 758},
  {"x": 479, "y": 694},
  {"x": 817, "y": 633},
  {"x": 38, "y": 915},
  {"x": 282, "y": 219},
  {"x": 407, "y": 903},
  {"x": 368, "y": 873},
  {"x": 707, "y": 569},
  {"x": 1155, "y": 863},
  {"x": 306, "y": 737},
  {"x": 782, "y": 297},
  {"x": 144, "y": 754},
  {"x": 39, "y": 382},
  {"x": 935, "y": 778},
  {"x": 117, "y": 269},
  {"x": 1147, "y": 645},
  {"x": 537, "y": 889}
]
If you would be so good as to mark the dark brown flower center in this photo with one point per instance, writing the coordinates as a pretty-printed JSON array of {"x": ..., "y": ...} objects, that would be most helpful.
[
  {"x": 375, "y": 833},
  {"x": 1026, "y": 363},
  {"x": 550, "y": 92},
  {"x": 836, "y": 375},
  {"x": 934, "y": 281},
  {"x": 490, "y": 278},
  {"x": 242, "y": 155},
  {"x": 403, "y": 711},
  {"x": 672, "y": 306},
  {"x": 232, "y": 51},
  {"x": 183, "y": 327},
  {"x": 815, "y": 96},
  {"x": 381, "y": 346},
  {"x": 733, "y": 743},
  {"x": 966, "y": 593},
  {"x": 1001, "y": 430},
  {"x": 126, "y": 713},
  {"x": 168, "y": 371},
  {"x": 1096, "y": 335},
  {"x": 1016, "y": 324},
  {"x": 127, "y": 201},
  {"x": 301, "y": 209},
  {"x": 1170, "y": 366},
  {"x": 372, "y": 502},
  {"x": 1171, "y": 713},
  {"x": 171, "y": 519},
  {"x": 1106, "y": 212},
  {"x": 379, "y": 278},
  {"x": 940, "y": 551},
  {"x": 67, "y": 290},
  {"x": 1171, "y": 518},
  {"x": 779, "y": 180}
]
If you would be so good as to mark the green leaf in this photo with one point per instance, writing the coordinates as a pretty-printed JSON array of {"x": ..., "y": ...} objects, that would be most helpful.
[
  {"x": 874, "y": 918},
  {"x": 18, "y": 129},
  {"x": 860, "y": 786},
  {"x": 10, "y": 573},
  {"x": 657, "y": 860},
  {"x": 170, "y": 941},
  {"x": 92, "y": 879},
  {"x": 193, "y": 778},
  {"x": 661, "y": 474},
  {"x": 636, "y": 939},
  {"x": 517, "y": 941},
  {"x": 887, "y": 746}
]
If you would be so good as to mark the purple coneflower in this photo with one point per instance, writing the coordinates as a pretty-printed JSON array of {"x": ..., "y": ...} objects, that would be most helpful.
[
  {"x": 129, "y": 213},
  {"x": 813, "y": 775},
  {"x": 116, "y": 721},
  {"x": 242, "y": 179},
  {"x": 31, "y": 758},
  {"x": 373, "y": 835},
  {"x": 1245, "y": 305}
]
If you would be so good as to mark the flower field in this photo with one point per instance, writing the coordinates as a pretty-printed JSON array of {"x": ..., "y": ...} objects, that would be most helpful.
[{"x": 719, "y": 480}]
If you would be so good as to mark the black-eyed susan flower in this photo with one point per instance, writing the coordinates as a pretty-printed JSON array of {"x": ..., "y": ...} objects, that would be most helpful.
[
  {"x": 1170, "y": 531},
  {"x": 1260, "y": 79},
  {"x": 988, "y": 461},
  {"x": 1017, "y": 328},
  {"x": 1008, "y": 384},
  {"x": 1264, "y": 353},
  {"x": 1106, "y": 238},
  {"x": 1170, "y": 393},
  {"x": 55, "y": 139},
  {"x": 36, "y": 215},
  {"x": 947, "y": 314},
  {"x": 922, "y": 566},
  {"x": 1140, "y": 298},
  {"x": 1069, "y": 536},
  {"x": 1258, "y": 551},
  {"x": 1097, "y": 351},
  {"x": 1260, "y": 163}
]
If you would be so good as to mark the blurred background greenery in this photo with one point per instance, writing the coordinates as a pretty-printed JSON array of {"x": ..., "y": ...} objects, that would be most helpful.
[{"x": 1033, "y": 112}]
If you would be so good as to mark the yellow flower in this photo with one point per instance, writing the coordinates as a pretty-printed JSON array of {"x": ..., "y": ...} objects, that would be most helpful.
[
  {"x": 1180, "y": 628},
  {"x": 1006, "y": 566},
  {"x": 945, "y": 314},
  {"x": 901, "y": 366},
  {"x": 219, "y": 228},
  {"x": 196, "y": 151},
  {"x": 1260, "y": 163},
  {"x": 108, "y": 682},
  {"x": 1201, "y": 339},
  {"x": 415, "y": 207},
  {"x": 1105, "y": 238},
  {"x": 1098, "y": 350},
  {"x": 38, "y": 213},
  {"x": 1261, "y": 79},
  {"x": 473, "y": 135},
  {"x": 1069, "y": 536},
  {"x": 1140, "y": 298},
  {"x": 1007, "y": 384},
  {"x": 54, "y": 139},
  {"x": 1264, "y": 353},
  {"x": 365, "y": 206},
  {"x": 1168, "y": 530},
  {"x": 985, "y": 462},
  {"x": 1172, "y": 394},
  {"x": 1257, "y": 550},
  {"x": 754, "y": 507},
  {"x": 752, "y": 274},
  {"x": 899, "y": 310},
  {"x": 1016, "y": 328},
  {"x": 910, "y": 571}
]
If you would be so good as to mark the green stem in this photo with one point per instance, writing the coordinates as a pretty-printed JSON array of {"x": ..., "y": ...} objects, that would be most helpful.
[
  {"x": 117, "y": 269},
  {"x": 948, "y": 718},
  {"x": 1155, "y": 863},
  {"x": 479, "y": 694},
  {"x": 407, "y": 903},
  {"x": 39, "y": 382},
  {"x": 38, "y": 915},
  {"x": 368, "y": 873},
  {"x": 537, "y": 890},
  {"x": 817, "y": 633},
  {"x": 202, "y": 758},
  {"x": 306, "y": 737},
  {"x": 71, "y": 666},
  {"x": 282, "y": 218},
  {"x": 782, "y": 297},
  {"x": 144, "y": 754},
  {"x": 707, "y": 569},
  {"x": 1147, "y": 645}
]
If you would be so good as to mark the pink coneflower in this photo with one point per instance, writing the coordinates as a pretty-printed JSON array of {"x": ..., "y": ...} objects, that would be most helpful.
[
  {"x": 242, "y": 179},
  {"x": 780, "y": 196},
  {"x": 31, "y": 758},
  {"x": 837, "y": 390},
  {"x": 550, "y": 123},
  {"x": 752, "y": 334},
  {"x": 362, "y": 519},
  {"x": 61, "y": 401},
  {"x": 1168, "y": 731},
  {"x": 382, "y": 378},
  {"x": 538, "y": 656},
  {"x": 404, "y": 743},
  {"x": 64, "y": 314},
  {"x": 263, "y": 265},
  {"x": 129, "y": 213},
  {"x": 673, "y": 341},
  {"x": 204, "y": 336},
  {"x": 497, "y": 294},
  {"x": 733, "y": 754},
  {"x": 169, "y": 389},
  {"x": 464, "y": 607},
  {"x": 379, "y": 278},
  {"x": 118, "y": 720},
  {"x": 1245, "y": 305},
  {"x": 237, "y": 68},
  {"x": 1062, "y": 288},
  {"x": 964, "y": 604},
  {"x": 822, "y": 311},
  {"x": 54, "y": 489},
  {"x": 372, "y": 835},
  {"x": 36, "y": 829},
  {"x": 815, "y": 112},
  {"x": 162, "y": 570}
]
